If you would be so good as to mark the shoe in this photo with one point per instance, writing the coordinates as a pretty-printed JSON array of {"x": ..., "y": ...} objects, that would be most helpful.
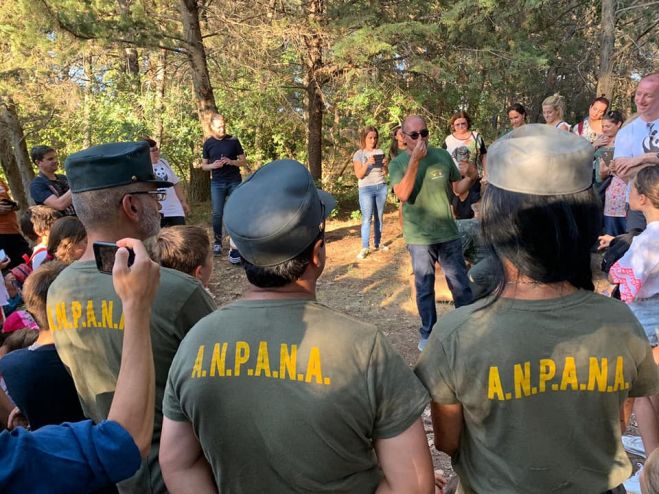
[
  {"x": 217, "y": 250},
  {"x": 363, "y": 253},
  {"x": 234, "y": 256},
  {"x": 383, "y": 248},
  {"x": 422, "y": 343}
]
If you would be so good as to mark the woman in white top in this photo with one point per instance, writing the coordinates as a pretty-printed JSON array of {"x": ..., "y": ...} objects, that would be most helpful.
[
  {"x": 462, "y": 136},
  {"x": 553, "y": 108},
  {"x": 370, "y": 165}
]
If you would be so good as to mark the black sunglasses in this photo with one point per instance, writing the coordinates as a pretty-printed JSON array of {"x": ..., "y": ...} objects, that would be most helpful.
[{"x": 415, "y": 135}]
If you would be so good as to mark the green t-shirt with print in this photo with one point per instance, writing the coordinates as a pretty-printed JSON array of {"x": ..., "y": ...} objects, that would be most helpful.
[
  {"x": 427, "y": 215},
  {"x": 541, "y": 384},
  {"x": 288, "y": 396},
  {"x": 86, "y": 318}
]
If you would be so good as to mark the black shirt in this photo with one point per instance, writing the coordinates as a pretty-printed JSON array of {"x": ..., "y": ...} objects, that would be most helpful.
[
  {"x": 228, "y": 147},
  {"x": 41, "y": 188}
]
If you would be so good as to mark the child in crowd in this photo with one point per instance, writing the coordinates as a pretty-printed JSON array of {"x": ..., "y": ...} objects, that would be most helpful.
[
  {"x": 186, "y": 248},
  {"x": 43, "y": 219},
  {"x": 650, "y": 474},
  {"x": 67, "y": 240},
  {"x": 615, "y": 210}
]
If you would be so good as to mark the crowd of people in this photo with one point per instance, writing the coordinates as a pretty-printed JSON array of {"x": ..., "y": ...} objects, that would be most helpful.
[{"x": 136, "y": 382}]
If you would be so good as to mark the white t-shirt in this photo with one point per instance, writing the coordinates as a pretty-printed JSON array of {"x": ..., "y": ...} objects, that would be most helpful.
[
  {"x": 171, "y": 206},
  {"x": 636, "y": 138}
]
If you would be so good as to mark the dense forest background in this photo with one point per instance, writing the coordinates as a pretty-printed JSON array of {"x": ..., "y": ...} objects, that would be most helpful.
[{"x": 298, "y": 78}]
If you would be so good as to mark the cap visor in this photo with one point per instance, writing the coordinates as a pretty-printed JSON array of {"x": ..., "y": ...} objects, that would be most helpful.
[{"x": 328, "y": 201}]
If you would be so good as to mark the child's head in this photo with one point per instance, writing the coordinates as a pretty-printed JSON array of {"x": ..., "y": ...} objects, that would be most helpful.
[
  {"x": 67, "y": 240},
  {"x": 650, "y": 474},
  {"x": 645, "y": 189},
  {"x": 35, "y": 290},
  {"x": 43, "y": 218},
  {"x": 16, "y": 340},
  {"x": 186, "y": 248},
  {"x": 26, "y": 226}
]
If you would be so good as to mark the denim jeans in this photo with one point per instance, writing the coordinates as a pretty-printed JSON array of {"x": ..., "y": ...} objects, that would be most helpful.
[
  {"x": 424, "y": 258},
  {"x": 371, "y": 203},
  {"x": 220, "y": 192}
]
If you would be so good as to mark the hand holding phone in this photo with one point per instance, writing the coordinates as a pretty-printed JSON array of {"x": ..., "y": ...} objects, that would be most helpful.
[
  {"x": 134, "y": 275},
  {"x": 105, "y": 252}
]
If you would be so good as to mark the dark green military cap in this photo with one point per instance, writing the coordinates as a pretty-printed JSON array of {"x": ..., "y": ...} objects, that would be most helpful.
[
  {"x": 111, "y": 165},
  {"x": 276, "y": 213}
]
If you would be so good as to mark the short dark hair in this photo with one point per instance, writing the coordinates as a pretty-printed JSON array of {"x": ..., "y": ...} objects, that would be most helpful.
[
  {"x": 35, "y": 290},
  {"x": 37, "y": 153},
  {"x": 43, "y": 218},
  {"x": 27, "y": 227},
  {"x": 518, "y": 108},
  {"x": 283, "y": 273},
  {"x": 150, "y": 142},
  {"x": 364, "y": 133},
  {"x": 602, "y": 99},
  {"x": 614, "y": 116},
  {"x": 183, "y": 248},
  {"x": 460, "y": 114},
  {"x": 547, "y": 238},
  {"x": 64, "y": 234}
]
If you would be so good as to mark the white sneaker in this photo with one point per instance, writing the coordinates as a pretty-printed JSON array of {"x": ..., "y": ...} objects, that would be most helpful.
[
  {"x": 363, "y": 253},
  {"x": 383, "y": 248}
]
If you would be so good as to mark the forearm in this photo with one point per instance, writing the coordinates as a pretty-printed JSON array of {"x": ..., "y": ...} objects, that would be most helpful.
[
  {"x": 59, "y": 203},
  {"x": 194, "y": 478},
  {"x": 180, "y": 193},
  {"x": 241, "y": 161},
  {"x": 404, "y": 188},
  {"x": 136, "y": 378},
  {"x": 360, "y": 169},
  {"x": 462, "y": 186}
]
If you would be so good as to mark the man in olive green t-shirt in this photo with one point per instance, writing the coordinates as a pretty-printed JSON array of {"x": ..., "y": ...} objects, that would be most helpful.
[
  {"x": 279, "y": 393},
  {"x": 115, "y": 195},
  {"x": 424, "y": 179}
]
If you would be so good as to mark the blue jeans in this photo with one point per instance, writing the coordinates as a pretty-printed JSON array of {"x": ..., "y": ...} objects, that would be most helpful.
[
  {"x": 424, "y": 258},
  {"x": 220, "y": 192},
  {"x": 371, "y": 203}
]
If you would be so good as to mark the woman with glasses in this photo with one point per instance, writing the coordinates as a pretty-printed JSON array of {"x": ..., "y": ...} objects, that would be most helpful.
[
  {"x": 462, "y": 136},
  {"x": 370, "y": 165},
  {"x": 590, "y": 128},
  {"x": 174, "y": 206}
]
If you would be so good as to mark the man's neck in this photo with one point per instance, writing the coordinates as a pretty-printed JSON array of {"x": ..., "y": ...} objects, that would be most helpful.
[
  {"x": 649, "y": 117},
  {"x": 218, "y": 136},
  {"x": 49, "y": 176},
  {"x": 109, "y": 235},
  {"x": 299, "y": 290}
]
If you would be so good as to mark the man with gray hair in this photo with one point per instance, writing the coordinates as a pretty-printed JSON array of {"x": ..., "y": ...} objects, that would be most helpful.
[
  {"x": 424, "y": 179},
  {"x": 116, "y": 195},
  {"x": 279, "y": 393}
]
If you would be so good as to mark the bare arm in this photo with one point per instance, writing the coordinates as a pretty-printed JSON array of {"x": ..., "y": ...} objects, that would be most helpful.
[
  {"x": 626, "y": 167},
  {"x": 404, "y": 188},
  {"x": 406, "y": 463},
  {"x": 469, "y": 174},
  {"x": 180, "y": 193},
  {"x": 133, "y": 405},
  {"x": 182, "y": 461},
  {"x": 447, "y": 423},
  {"x": 60, "y": 203},
  {"x": 205, "y": 165}
]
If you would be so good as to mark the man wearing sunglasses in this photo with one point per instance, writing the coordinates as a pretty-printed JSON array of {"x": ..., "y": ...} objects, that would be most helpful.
[
  {"x": 424, "y": 179},
  {"x": 118, "y": 196}
]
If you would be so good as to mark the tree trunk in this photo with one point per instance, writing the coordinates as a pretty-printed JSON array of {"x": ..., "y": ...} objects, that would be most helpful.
[
  {"x": 87, "y": 100},
  {"x": 161, "y": 69},
  {"x": 199, "y": 189},
  {"x": 315, "y": 106},
  {"x": 607, "y": 28},
  {"x": 16, "y": 140},
  {"x": 11, "y": 170}
]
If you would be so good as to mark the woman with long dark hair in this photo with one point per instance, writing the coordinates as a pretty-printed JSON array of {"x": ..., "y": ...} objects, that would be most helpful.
[{"x": 528, "y": 385}]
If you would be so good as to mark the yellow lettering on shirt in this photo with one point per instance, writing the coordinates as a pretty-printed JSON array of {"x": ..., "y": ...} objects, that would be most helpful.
[
  {"x": 52, "y": 321},
  {"x": 91, "y": 315},
  {"x": 76, "y": 313},
  {"x": 619, "y": 381},
  {"x": 219, "y": 359},
  {"x": 598, "y": 374},
  {"x": 547, "y": 373},
  {"x": 287, "y": 362},
  {"x": 107, "y": 314},
  {"x": 198, "y": 368},
  {"x": 522, "y": 379},
  {"x": 313, "y": 366},
  {"x": 569, "y": 375},
  {"x": 494, "y": 386},
  {"x": 242, "y": 356},
  {"x": 60, "y": 313},
  {"x": 262, "y": 360}
]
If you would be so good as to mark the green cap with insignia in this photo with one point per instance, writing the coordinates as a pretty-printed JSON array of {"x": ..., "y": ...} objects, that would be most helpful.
[
  {"x": 540, "y": 159},
  {"x": 276, "y": 213},
  {"x": 111, "y": 165}
]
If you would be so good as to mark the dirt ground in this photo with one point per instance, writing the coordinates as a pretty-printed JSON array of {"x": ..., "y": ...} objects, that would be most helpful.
[{"x": 376, "y": 289}]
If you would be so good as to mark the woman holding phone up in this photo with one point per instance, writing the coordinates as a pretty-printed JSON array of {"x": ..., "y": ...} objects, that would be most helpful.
[{"x": 370, "y": 167}]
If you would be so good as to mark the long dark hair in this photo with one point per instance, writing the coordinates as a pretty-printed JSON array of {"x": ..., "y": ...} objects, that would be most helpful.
[
  {"x": 547, "y": 238},
  {"x": 393, "y": 147}
]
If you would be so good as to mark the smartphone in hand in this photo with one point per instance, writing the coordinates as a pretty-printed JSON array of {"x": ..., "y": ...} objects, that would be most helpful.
[{"x": 105, "y": 252}]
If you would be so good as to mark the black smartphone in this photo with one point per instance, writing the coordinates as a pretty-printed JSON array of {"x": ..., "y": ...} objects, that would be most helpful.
[
  {"x": 379, "y": 160},
  {"x": 104, "y": 253}
]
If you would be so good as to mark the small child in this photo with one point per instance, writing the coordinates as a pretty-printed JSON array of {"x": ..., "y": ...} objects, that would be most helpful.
[
  {"x": 186, "y": 248},
  {"x": 67, "y": 240},
  {"x": 43, "y": 219}
]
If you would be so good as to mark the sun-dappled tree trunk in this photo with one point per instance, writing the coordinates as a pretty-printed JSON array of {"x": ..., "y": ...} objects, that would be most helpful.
[
  {"x": 313, "y": 62},
  {"x": 199, "y": 189},
  {"x": 607, "y": 41},
  {"x": 15, "y": 139},
  {"x": 161, "y": 70}
]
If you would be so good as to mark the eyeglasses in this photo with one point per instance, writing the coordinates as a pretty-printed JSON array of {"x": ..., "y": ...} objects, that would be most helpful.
[
  {"x": 158, "y": 195},
  {"x": 415, "y": 135}
]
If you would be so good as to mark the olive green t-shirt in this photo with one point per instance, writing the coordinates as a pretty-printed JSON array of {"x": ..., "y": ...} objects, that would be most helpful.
[
  {"x": 86, "y": 319},
  {"x": 288, "y": 396},
  {"x": 427, "y": 215},
  {"x": 541, "y": 384}
]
